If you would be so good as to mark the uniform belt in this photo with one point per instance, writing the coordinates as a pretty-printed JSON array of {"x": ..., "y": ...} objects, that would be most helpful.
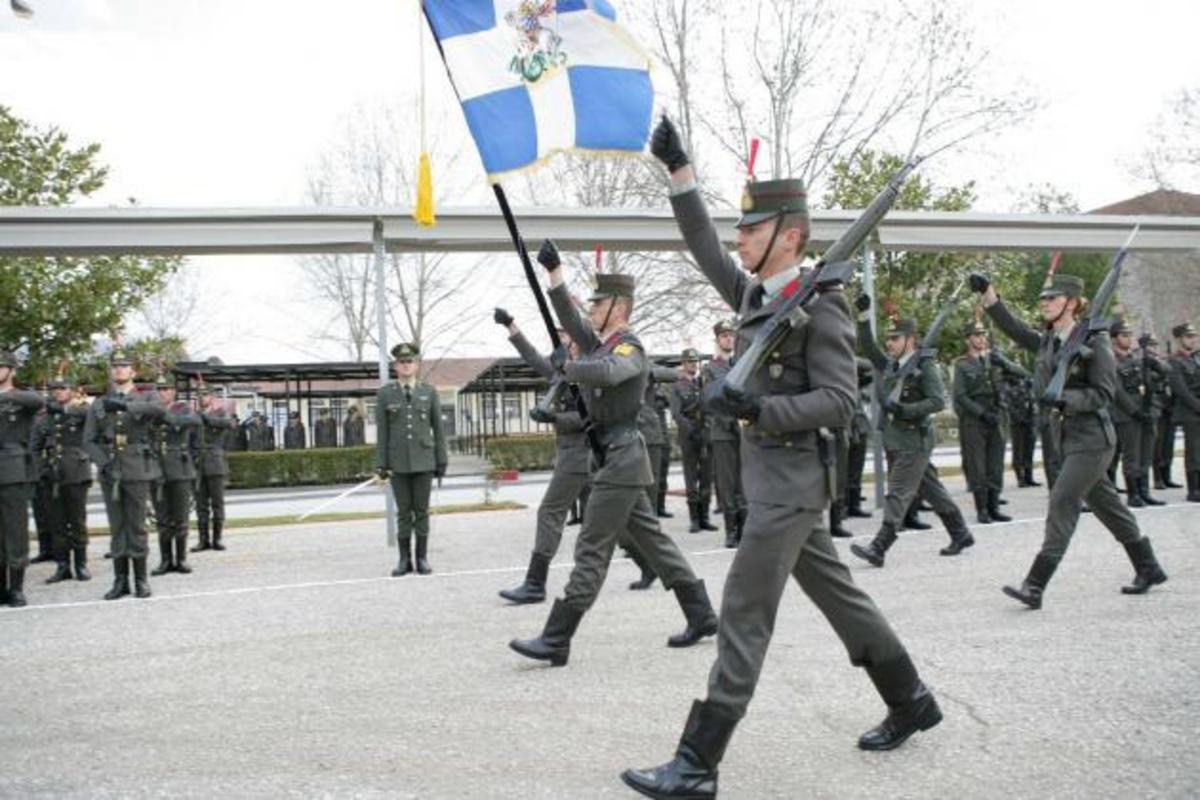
[{"x": 608, "y": 435}]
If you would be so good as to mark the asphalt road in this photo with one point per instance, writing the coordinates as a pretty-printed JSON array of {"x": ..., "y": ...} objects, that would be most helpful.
[{"x": 292, "y": 666}]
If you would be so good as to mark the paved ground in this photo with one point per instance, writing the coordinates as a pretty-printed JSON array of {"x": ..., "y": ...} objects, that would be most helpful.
[{"x": 289, "y": 666}]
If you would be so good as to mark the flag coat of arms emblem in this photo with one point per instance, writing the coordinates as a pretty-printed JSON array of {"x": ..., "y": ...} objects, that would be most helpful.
[{"x": 536, "y": 77}]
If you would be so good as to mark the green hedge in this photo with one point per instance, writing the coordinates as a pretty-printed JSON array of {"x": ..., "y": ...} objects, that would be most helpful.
[
  {"x": 525, "y": 452},
  {"x": 299, "y": 467}
]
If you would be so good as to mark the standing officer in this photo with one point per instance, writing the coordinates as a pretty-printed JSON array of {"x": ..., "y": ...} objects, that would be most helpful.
[
  {"x": 1133, "y": 416},
  {"x": 1185, "y": 386},
  {"x": 17, "y": 475},
  {"x": 572, "y": 457},
  {"x": 809, "y": 385},
  {"x": 353, "y": 428},
  {"x": 177, "y": 434},
  {"x": 611, "y": 372},
  {"x": 58, "y": 442},
  {"x": 978, "y": 401},
  {"x": 1082, "y": 424},
  {"x": 410, "y": 451},
  {"x": 325, "y": 431},
  {"x": 693, "y": 445},
  {"x": 1159, "y": 387},
  {"x": 908, "y": 437},
  {"x": 1021, "y": 418},
  {"x": 858, "y": 438},
  {"x": 119, "y": 438},
  {"x": 238, "y": 441},
  {"x": 725, "y": 441},
  {"x": 1164, "y": 437},
  {"x": 294, "y": 435},
  {"x": 212, "y": 467},
  {"x": 261, "y": 435}
]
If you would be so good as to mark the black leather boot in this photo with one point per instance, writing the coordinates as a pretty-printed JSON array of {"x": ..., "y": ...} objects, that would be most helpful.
[
  {"x": 993, "y": 504},
  {"x": 3, "y": 585},
  {"x": 120, "y": 587},
  {"x": 16, "y": 587},
  {"x": 181, "y": 551},
  {"x": 63, "y": 571},
  {"x": 742, "y": 513},
  {"x": 405, "y": 565},
  {"x": 1133, "y": 493},
  {"x": 701, "y": 619},
  {"x": 960, "y": 537},
  {"x": 218, "y": 528},
  {"x": 705, "y": 522},
  {"x": 1166, "y": 478},
  {"x": 693, "y": 772},
  {"x": 835, "y": 522},
  {"x": 1144, "y": 485},
  {"x": 877, "y": 549},
  {"x": 912, "y": 522},
  {"x": 853, "y": 505},
  {"x": 164, "y": 551},
  {"x": 554, "y": 645},
  {"x": 911, "y": 706},
  {"x": 202, "y": 542},
  {"x": 423, "y": 567},
  {"x": 648, "y": 577},
  {"x": 1029, "y": 481},
  {"x": 573, "y": 517},
  {"x": 533, "y": 590},
  {"x": 1031, "y": 589},
  {"x": 82, "y": 573},
  {"x": 141, "y": 586},
  {"x": 731, "y": 529},
  {"x": 982, "y": 515},
  {"x": 1193, "y": 487},
  {"x": 693, "y": 517},
  {"x": 662, "y": 506},
  {"x": 1149, "y": 573},
  {"x": 1158, "y": 478}
]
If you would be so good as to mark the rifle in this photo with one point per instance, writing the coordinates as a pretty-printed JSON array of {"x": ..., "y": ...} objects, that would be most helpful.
[
  {"x": 926, "y": 350},
  {"x": 1091, "y": 322},
  {"x": 790, "y": 313}
]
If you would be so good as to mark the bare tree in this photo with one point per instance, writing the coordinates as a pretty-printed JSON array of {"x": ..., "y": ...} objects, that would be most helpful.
[
  {"x": 1173, "y": 158},
  {"x": 182, "y": 309}
]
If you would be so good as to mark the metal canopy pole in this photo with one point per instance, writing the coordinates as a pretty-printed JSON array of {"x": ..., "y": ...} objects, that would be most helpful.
[
  {"x": 381, "y": 321},
  {"x": 877, "y": 436}
]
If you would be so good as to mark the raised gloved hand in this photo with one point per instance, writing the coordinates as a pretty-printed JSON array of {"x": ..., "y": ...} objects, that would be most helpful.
[
  {"x": 112, "y": 403},
  {"x": 502, "y": 317},
  {"x": 383, "y": 473},
  {"x": 978, "y": 282},
  {"x": 548, "y": 256},
  {"x": 741, "y": 404},
  {"x": 863, "y": 302},
  {"x": 667, "y": 145}
]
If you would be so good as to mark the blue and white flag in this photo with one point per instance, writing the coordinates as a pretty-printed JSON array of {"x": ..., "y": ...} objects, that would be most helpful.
[{"x": 536, "y": 77}]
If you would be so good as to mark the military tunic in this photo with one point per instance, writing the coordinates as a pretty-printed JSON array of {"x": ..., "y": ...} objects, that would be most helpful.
[
  {"x": 1082, "y": 434},
  {"x": 215, "y": 432},
  {"x": 58, "y": 441},
  {"x": 785, "y": 478},
  {"x": 1185, "y": 387},
  {"x": 17, "y": 475},
  {"x": 908, "y": 439},
  {"x": 980, "y": 391},
  {"x": 612, "y": 377},
  {"x": 411, "y": 444},
  {"x": 121, "y": 445},
  {"x": 325, "y": 432},
  {"x": 294, "y": 436},
  {"x": 353, "y": 431},
  {"x": 572, "y": 459},
  {"x": 177, "y": 435}
]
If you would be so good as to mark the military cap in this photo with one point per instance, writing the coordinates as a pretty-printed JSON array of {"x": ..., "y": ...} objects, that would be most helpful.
[
  {"x": 763, "y": 200},
  {"x": 164, "y": 381},
  {"x": 1069, "y": 285},
  {"x": 903, "y": 327},
  {"x": 1148, "y": 340},
  {"x": 723, "y": 326},
  {"x": 61, "y": 381},
  {"x": 1183, "y": 329},
  {"x": 405, "y": 351},
  {"x": 119, "y": 358},
  {"x": 690, "y": 354},
  {"x": 1119, "y": 327},
  {"x": 201, "y": 391},
  {"x": 7, "y": 359},
  {"x": 612, "y": 284},
  {"x": 975, "y": 329}
]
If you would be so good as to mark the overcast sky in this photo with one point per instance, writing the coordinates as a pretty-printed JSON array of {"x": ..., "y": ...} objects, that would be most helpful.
[{"x": 228, "y": 102}]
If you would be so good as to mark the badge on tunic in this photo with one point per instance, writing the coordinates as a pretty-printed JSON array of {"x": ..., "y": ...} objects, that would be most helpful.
[
  {"x": 624, "y": 349},
  {"x": 775, "y": 371}
]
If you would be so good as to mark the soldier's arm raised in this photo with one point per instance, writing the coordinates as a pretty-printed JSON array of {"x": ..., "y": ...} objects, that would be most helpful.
[
  {"x": 536, "y": 361},
  {"x": 1015, "y": 329},
  {"x": 869, "y": 347},
  {"x": 706, "y": 247},
  {"x": 568, "y": 314}
]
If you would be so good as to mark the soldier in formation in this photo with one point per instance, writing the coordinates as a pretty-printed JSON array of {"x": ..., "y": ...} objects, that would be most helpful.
[
  {"x": 119, "y": 438},
  {"x": 410, "y": 451},
  {"x": 1022, "y": 421},
  {"x": 1185, "y": 388},
  {"x": 1083, "y": 433},
  {"x": 724, "y": 437},
  {"x": 572, "y": 457},
  {"x": 177, "y": 434},
  {"x": 325, "y": 431},
  {"x": 688, "y": 412},
  {"x": 858, "y": 438},
  {"x": 611, "y": 372},
  {"x": 662, "y": 404},
  {"x": 786, "y": 480},
  {"x": 260, "y": 435},
  {"x": 212, "y": 467},
  {"x": 979, "y": 401},
  {"x": 18, "y": 408},
  {"x": 295, "y": 437},
  {"x": 1163, "y": 452},
  {"x": 1134, "y": 415},
  {"x": 908, "y": 437},
  {"x": 354, "y": 428},
  {"x": 58, "y": 443}
]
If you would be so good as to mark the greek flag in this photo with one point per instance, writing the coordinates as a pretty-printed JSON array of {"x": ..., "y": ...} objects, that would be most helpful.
[{"x": 536, "y": 77}]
